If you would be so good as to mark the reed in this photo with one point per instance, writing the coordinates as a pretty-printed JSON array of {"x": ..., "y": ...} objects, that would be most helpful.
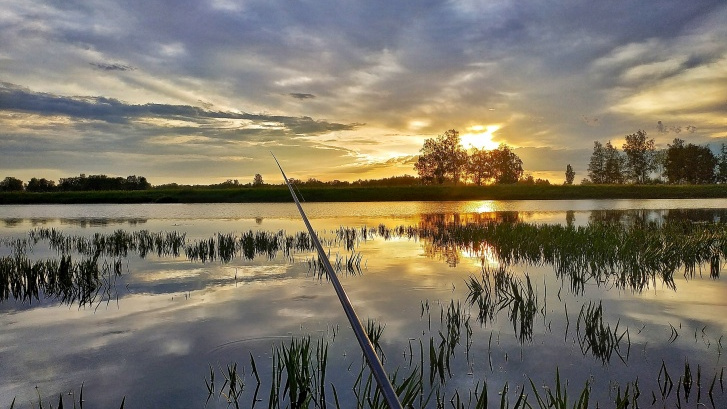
[
  {"x": 558, "y": 396},
  {"x": 304, "y": 374},
  {"x": 374, "y": 331},
  {"x": 82, "y": 282},
  {"x": 497, "y": 290},
  {"x": 631, "y": 256},
  {"x": 598, "y": 338}
]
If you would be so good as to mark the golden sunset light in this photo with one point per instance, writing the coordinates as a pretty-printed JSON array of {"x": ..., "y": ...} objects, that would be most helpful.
[{"x": 480, "y": 137}]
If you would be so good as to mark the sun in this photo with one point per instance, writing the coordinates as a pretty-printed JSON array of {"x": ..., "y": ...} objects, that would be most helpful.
[{"x": 480, "y": 137}]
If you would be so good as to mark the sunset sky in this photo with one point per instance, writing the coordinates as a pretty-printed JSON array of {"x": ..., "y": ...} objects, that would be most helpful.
[{"x": 200, "y": 91}]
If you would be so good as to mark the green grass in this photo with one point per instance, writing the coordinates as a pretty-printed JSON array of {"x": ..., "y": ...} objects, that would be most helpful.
[{"x": 368, "y": 194}]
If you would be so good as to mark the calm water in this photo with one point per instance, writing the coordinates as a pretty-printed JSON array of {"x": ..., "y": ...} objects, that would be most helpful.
[{"x": 167, "y": 319}]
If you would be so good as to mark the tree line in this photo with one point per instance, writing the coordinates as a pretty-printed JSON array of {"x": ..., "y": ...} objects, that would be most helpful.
[
  {"x": 75, "y": 183},
  {"x": 443, "y": 160},
  {"x": 640, "y": 162}
]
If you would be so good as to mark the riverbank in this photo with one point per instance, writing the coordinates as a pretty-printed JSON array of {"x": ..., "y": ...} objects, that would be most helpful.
[{"x": 274, "y": 194}]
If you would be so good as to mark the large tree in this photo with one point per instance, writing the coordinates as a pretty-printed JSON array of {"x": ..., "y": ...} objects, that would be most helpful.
[
  {"x": 614, "y": 164},
  {"x": 597, "y": 165},
  {"x": 479, "y": 166},
  {"x": 442, "y": 158},
  {"x": 689, "y": 163},
  {"x": 11, "y": 184},
  {"x": 639, "y": 160},
  {"x": 40, "y": 185},
  {"x": 507, "y": 167}
]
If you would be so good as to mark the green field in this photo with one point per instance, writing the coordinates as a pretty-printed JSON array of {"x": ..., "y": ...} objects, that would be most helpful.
[{"x": 364, "y": 194}]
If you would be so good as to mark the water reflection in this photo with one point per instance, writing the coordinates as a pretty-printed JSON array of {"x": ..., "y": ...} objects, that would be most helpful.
[{"x": 584, "y": 297}]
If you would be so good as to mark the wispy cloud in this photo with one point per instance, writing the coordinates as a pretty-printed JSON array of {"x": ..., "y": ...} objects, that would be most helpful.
[
  {"x": 112, "y": 66},
  {"x": 15, "y": 98}
]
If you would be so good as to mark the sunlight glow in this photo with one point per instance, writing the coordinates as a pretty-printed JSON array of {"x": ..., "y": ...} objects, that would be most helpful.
[
  {"x": 418, "y": 124},
  {"x": 483, "y": 257},
  {"x": 480, "y": 137},
  {"x": 486, "y": 207}
]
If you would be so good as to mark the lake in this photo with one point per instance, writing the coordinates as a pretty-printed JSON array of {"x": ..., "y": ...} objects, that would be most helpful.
[{"x": 624, "y": 296}]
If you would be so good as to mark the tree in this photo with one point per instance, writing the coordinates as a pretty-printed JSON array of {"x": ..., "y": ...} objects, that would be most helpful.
[
  {"x": 103, "y": 182},
  {"x": 40, "y": 185},
  {"x": 528, "y": 179},
  {"x": 597, "y": 165},
  {"x": 507, "y": 167},
  {"x": 11, "y": 184},
  {"x": 674, "y": 162},
  {"x": 639, "y": 161},
  {"x": 614, "y": 164},
  {"x": 257, "y": 180},
  {"x": 479, "y": 166},
  {"x": 441, "y": 158},
  {"x": 570, "y": 175},
  {"x": 721, "y": 173},
  {"x": 134, "y": 182},
  {"x": 689, "y": 163}
]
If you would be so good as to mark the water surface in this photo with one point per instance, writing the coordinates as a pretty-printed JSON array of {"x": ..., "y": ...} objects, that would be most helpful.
[{"x": 153, "y": 338}]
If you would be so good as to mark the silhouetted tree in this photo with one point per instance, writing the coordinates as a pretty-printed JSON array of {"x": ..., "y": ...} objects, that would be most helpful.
[
  {"x": 675, "y": 162},
  {"x": 11, "y": 184},
  {"x": 40, "y": 185},
  {"x": 721, "y": 173},
  {"x": 639, "y": 161},
  {"x": 570, "y": 175},
  {"x": 530, "y": 180},
  {"x": 135, "y": 183},
  {"x": 479, "y": 166},
  {"x": 507, "y": 167},
  {"x": 405, "y": 180},
  {"x": 689, "y": 163},
  {"x": 257, "y": 180},
  {"x": 103, "y": 182},
  {"x": 441, "y": 158}
]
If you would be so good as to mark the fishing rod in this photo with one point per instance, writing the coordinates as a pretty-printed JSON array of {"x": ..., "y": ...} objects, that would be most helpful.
[{"x": 377, "y": 369}]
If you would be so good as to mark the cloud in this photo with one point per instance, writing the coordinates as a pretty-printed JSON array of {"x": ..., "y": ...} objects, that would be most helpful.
[
  {"x": 15, "y": 98},
  {"x": 298, "y": 95},
  {"x": 349, "y": 75},
  {"x": 112, "y": 66}
]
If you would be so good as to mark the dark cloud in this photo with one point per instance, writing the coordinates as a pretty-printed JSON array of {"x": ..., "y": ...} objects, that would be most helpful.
[
  {"x": 15, "y": 98},
  {"x": 663, "y": 128},
  {"x": 298, "y": 95},
  {"x": 112, "y": 67}
]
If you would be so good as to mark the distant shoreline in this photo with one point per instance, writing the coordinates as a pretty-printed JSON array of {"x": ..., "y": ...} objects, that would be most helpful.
[{"x": 278, "y": 194}]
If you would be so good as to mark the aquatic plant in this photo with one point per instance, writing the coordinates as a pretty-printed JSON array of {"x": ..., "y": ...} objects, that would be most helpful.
[
  {"x": 499, "y": 289},
  {"x": 63, "y": 279},
  {"x": 598, "y": 338},
  {"x": 627, "y": 256}
]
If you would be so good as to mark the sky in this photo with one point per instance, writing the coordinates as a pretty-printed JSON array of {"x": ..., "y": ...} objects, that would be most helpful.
[{"x": 202, "y": 91}]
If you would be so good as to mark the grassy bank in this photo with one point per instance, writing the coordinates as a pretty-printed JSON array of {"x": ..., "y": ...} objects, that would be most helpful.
[{"x": 368, "y": 194}]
